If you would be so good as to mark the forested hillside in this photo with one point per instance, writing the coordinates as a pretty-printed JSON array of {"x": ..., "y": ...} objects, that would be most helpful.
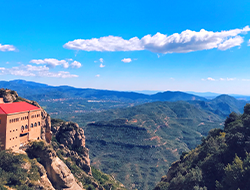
[
  {"x": 221, "y": 161},
  {"x": 138, "y": 144}
]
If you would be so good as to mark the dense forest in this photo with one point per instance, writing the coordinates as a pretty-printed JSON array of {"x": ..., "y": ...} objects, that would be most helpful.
[{"x": 221, "y": 161}]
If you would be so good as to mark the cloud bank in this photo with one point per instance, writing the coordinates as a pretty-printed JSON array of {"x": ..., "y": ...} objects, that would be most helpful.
[
  {"x": 186, "y": 41},
  {"x": 7, "y": 47},
  {"x": 33, "y": 71},
  {"x": 52, "y": 63}
]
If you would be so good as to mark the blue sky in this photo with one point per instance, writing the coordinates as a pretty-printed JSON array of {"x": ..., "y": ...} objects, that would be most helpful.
[{"x": 128, "y": 45}]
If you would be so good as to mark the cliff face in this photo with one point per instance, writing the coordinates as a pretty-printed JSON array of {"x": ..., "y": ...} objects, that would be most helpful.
[
  {"x": 8, "y": 95},
  {"x": 71, "y": 137},
  {"x": 57, "y": 171}
]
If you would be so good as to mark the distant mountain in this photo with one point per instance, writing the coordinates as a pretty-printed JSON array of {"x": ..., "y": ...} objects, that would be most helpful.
[
  {"x": 39, "y": 91},
  {"x": 222, "y": 105},
  {"x": 208, "y": 95},
  {"x": 149, "y": 92},
  {"x": 175, "y": 96}
]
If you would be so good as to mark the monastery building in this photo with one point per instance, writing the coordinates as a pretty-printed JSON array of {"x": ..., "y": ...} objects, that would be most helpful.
[{"x": 20, "y": 122}]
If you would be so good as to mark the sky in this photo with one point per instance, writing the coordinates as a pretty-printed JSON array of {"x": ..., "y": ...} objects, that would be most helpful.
[{"x": 194, "y": 45}]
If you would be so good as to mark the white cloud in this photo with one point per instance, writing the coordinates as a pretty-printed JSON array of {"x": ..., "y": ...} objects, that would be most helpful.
[
  {"x": 220, "y": 79},
  {"x": 76, "y": 64},
  {"x": 60, "y": 74},
  {"x": 126, "y": 60},
  {"x": 248, "y": 42},
  {"x": 98, "y": 75},
  {"x": 101, "y": 60},
  {"x": 30, "y": 70},
  {"x": 211, "y": 79},
  {"x": 227, "y": 79},
  {"x": 7, "y": 48},
  {"x": 231, "y": 42},
  {"x": 52, "y": 63},
  {"x": 186, "y": 41},
  {"x": 101, "y": 65},
  {"x": 108, "y": 43}
]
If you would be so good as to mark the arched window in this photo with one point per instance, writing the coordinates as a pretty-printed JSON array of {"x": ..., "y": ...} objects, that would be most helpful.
[
  {"x": 35, "y": 124},
  {"x": 38, "y": 123},
  {"x": 22, "y": 128},
  {"x": 31, "y": 125},
  {"x": 26, "y": 126}
]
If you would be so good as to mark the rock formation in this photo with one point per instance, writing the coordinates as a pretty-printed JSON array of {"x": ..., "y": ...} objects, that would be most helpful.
[
  {"x": 57, "y": 171},
  {"x": 72, "y": 140},
  {"x": 8, "y": 95}
]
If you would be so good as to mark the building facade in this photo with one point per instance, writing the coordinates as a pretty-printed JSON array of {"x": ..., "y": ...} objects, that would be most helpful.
[{"x": 20, "y": 122}]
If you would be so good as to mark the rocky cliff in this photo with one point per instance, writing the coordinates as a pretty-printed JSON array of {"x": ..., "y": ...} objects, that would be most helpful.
[
  {"x": 57, "y": 171},
  {"x": 63, "y": 160},
  {"x": 72, "y": 140}
]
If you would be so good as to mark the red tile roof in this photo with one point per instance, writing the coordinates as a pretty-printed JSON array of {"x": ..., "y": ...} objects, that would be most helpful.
[{"x": 16, "y": 107}]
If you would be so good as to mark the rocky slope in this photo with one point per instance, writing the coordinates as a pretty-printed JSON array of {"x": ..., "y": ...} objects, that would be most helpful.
[{"x": 62, "y": 164}]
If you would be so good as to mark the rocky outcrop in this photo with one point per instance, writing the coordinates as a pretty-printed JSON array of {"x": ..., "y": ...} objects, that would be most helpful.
[
  {"x": 8, "y": 95},
  {"x": 44, "y": 181},
  {"x": 45, "y": 122},
  {"x": 57, "y": 171},
  {"x": 72, "y": 141}
]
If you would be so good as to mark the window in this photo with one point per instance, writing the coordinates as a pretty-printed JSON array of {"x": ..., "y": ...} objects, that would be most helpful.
[
  {"x": 22, "y": 128},
  {"x": 38, "y": 123},
  {"x": 26, "y": 126},
  {"x": 35, "y": 124},
  {"x": 31, "y": 125}
]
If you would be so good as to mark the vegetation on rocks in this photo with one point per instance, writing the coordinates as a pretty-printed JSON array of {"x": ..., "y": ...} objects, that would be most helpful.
[
  {"x": 69, "y": 143},
  {"x": 18, "y": 171},
  {"x": 221, "y": 161}
]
